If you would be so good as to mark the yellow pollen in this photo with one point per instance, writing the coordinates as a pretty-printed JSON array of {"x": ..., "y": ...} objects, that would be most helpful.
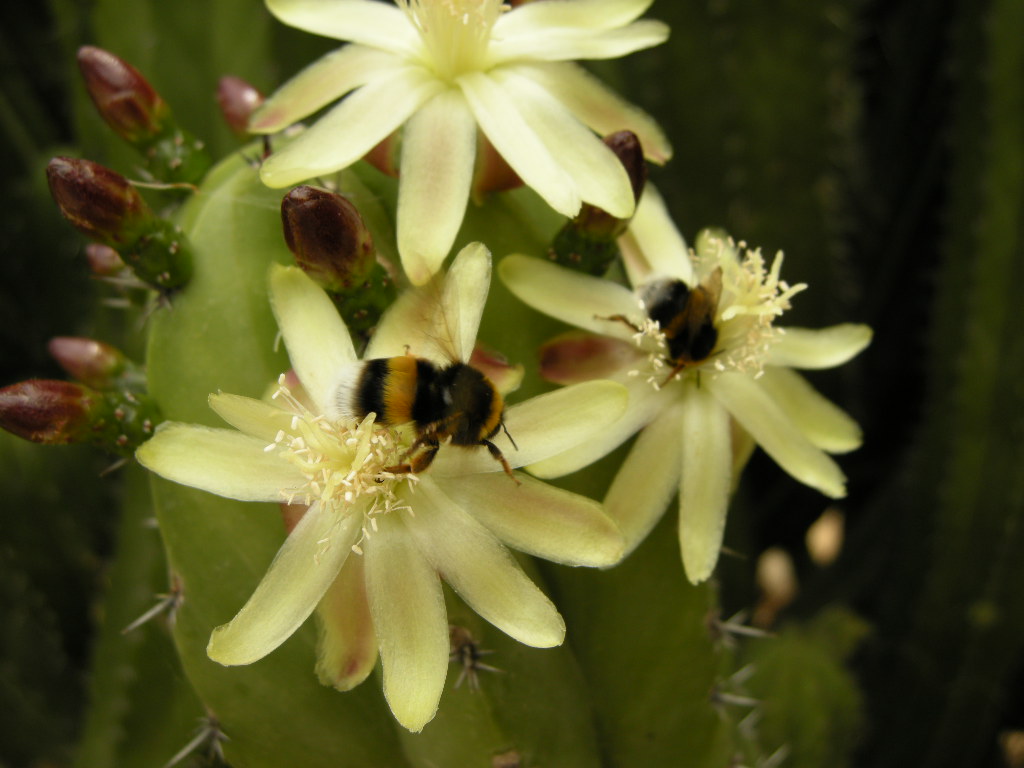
[
  {"x": 344, "y": 463},
  {"x": 455, "y": 33}
]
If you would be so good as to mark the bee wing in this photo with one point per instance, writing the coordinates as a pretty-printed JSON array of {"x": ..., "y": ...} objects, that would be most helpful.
[{"x": 439, "y": 320}]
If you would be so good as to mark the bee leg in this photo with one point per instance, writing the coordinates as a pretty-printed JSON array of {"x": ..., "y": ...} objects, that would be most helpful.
[
  {"x": 500, "y": 457},
  {"x": 621, "y": 319},
  {"x": 675, "y": 372},
  {"x": 420, "y": 461}
]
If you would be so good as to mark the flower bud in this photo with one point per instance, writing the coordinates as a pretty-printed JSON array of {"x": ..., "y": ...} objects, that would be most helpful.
[
  {"x": 103, "y": 260},
  {"x": 238, "y": 100},
  {"x": 96, "y": 200},
  {"x": 63, "y": 413},
  {"x": 492, "y": 173},
  {"x": 327, "y": 235},
  {"x": 123, "y": 97},
  {"x": 47, "y": 411},
  {"x": 104, "y": 205},
  {"x": 89, "y": 361},
  {"x": 333, "y": 246},
  {"x": 587, "y": 243},
  {"x": 384, "y": 156}
]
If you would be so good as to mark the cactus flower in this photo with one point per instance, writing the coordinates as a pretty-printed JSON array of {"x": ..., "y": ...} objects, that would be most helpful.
[
  {"x": 443, "y": 69},
  {"x": 694, "y": 375},
  {"x": 374, "y": 542}
]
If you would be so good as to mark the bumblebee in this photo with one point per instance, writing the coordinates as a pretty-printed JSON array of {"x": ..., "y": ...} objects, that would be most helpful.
[
  {"x": 685, "y": 316},
  {"x": 453, "y": 401}
]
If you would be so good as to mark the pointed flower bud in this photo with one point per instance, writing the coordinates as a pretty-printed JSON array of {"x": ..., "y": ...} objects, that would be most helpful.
[
  {"x": 238, "y": 100},
  {"x": 103, "y": 260},
  {"x": 64, "y": 413},
  {"x": 587, "y": 243},
  {"x": 92, "y": 362},
  {"x": 105, "y": 206},
  {"x": 99, "y": 202},
  {"x": 45, "y": 411},
  {"x": 333, "y": 246},
  {"x": 137, "y": 113},
  {"x": 123, "y": 97}
]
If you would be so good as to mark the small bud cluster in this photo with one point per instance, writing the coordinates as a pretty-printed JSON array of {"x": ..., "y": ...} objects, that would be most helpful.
[
  {"x": 138, "y": 114},
  {"x": 105, "y": 206}
]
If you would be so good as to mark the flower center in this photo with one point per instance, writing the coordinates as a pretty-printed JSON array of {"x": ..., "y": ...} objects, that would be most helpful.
[
  {"x": 344, "y": 463},
  {"x": 455, "y": 33},
  {"x": 725, "y": 323}
]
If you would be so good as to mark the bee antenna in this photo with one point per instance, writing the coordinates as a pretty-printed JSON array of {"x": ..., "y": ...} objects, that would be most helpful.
[{"x": 505, "y": 430}]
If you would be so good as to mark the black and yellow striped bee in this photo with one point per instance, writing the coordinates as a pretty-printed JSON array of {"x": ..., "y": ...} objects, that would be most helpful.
[
  {"x": 453, "y": 401},
  {"x": 685, "y": 316}
]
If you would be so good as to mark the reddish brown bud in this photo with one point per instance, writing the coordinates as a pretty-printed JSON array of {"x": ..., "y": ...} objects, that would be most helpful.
[
  {"x": 103, "y": 260},
  {"x": 492, "y": 173},
  {"x": 98, "y": 201},
  {"x": 383, "y": 156},
  {"x": 328, "y": 237},
  {"x": 88, "y": 361},
  {"x": 238, "y": 100},
  {"x": 123, "y": 97},
  {"x": 594, "y": 223},
  {"x": 46, "y": 411}
]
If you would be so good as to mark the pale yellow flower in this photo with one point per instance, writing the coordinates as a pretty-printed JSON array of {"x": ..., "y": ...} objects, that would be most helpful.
[
  {"x": 445, "y": 68},
  {"x": 373, "y": 545},
  {"x": 696, "y": 425}
]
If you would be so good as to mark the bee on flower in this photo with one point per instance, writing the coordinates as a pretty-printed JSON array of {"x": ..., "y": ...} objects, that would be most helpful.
[
  {"x": 372, "y": 531},
  {"x": 442, "y": 70},
  {"x": 709, "y": 374}
]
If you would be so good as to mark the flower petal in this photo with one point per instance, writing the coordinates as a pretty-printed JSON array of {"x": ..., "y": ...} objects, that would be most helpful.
[
  {"x": 564, "y": 44},
  {"x": 597, "y": 106},
  {"x": 588, "y": 14},
  {"x": 543, "y": 426},
  {"x": 351, "y": 129},
  {"x": 823, "y": 422},
  {"x": 465, "y": 292},
  {"x": 757, "y": 413},
  {"x": 581, "y": 300},
  {"x": 361, "y": 21},
  {"x": 316, "y": 337},
  {"x": 438, "y": 321},
  {"x": 347, "y": 650},
  {"x": 301, "y": 572},
  {"x": 326, "y": 79},
  {"x": 254, "y": 417},
  {"x": 576, "y": 356},
  {"x": 597, "y": 172},
  {"x": 409, "y": 617},
  {"x": 540, "y": 519},
  {"x": 438, "y": 151},
  {"x": 481, "y": 570},
  {"x": 652, "y": 246},
  {"x": 220, "y": 461},
  {"x": 648, "y": 478},
  {"x": 824, "y": 348},
  {"x": 642, "y": 407},
  {"x": 705, "y": 483},
  {"x": 517, "y": 143}
]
